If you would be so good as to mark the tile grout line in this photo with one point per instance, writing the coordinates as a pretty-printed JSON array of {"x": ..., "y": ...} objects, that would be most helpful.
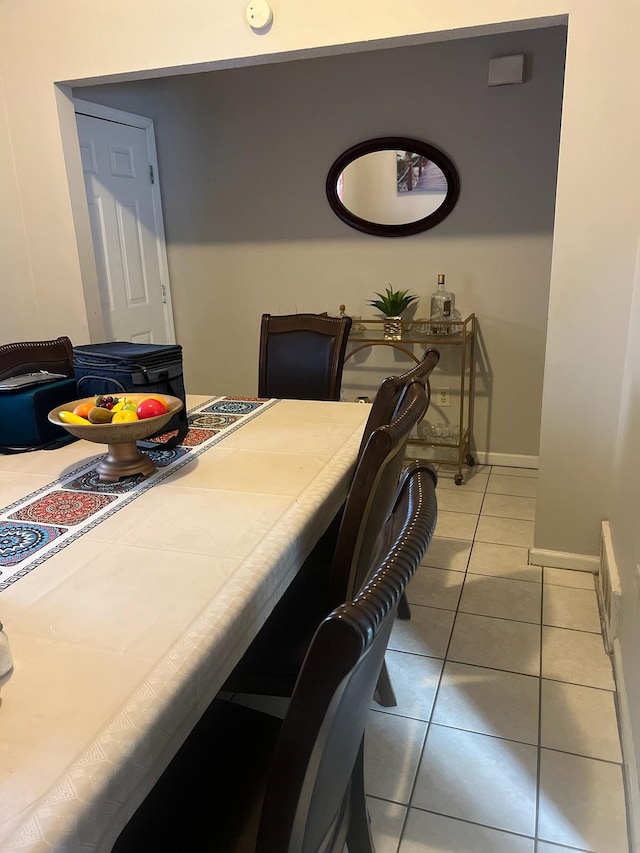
[
  {"x": 435, "y": 697},
  {"x": 486, "y": 826},
  {"x": 437, "y": 690}
]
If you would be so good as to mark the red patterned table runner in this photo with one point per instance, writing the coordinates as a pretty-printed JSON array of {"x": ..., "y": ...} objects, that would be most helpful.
[{"x": 39, "y": 525}]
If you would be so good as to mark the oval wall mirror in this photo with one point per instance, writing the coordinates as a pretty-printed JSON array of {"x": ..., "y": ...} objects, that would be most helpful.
[{"x": 392, "y": 186}]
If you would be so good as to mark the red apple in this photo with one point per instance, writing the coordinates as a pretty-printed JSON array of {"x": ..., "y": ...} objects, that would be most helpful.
[{"x": 151, "y": 408}]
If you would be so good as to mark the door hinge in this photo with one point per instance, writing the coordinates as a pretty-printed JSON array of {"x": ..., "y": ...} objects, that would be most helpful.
[
  {"x": 164, "y": 294},
  {"x": 151, "y": 175}
]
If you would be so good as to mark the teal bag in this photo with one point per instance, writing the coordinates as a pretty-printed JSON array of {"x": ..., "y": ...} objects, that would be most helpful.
[{"x": 23, "y": 415}]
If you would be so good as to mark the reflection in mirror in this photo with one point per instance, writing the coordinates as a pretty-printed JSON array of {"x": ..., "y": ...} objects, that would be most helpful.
[
  {"x": 365, "y": 190},
  {"x": 392, "y": 186}
]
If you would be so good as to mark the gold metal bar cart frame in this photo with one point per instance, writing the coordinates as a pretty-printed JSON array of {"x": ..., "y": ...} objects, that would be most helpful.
[{"x": 457, "y": 333}]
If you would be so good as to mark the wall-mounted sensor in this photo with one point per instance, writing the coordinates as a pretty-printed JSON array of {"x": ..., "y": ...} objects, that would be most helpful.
[
  {"x": 505, "y": 70},
  {"x": 259, "y": 15}
]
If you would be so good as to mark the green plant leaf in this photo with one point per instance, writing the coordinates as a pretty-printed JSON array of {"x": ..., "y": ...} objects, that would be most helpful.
[{"x": 392, "y": 302}]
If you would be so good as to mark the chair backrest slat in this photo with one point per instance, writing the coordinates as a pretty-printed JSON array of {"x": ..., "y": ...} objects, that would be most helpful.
[
  {"x": 304, "y": 807},
  {"x": 302, "y": 356}
]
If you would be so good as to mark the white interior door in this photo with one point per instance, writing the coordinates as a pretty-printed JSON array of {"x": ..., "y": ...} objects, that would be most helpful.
[{"x": 128, "y": 237}]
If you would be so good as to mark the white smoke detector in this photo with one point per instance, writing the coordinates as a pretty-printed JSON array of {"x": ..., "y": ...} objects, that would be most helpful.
[{"x": 259, "y": 15}]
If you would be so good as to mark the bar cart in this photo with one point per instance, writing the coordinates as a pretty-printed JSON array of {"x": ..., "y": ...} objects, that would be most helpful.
[{"x": 403, "y": 335}]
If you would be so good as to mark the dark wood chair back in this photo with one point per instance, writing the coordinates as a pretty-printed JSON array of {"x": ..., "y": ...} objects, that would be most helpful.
[
  {"x": 54, "y": 356},
  {"x": 371, "y": 493},
  {"x": 388, "y": 394},
  {"x": 302, "y": 356},
  {"x": 309, "y": 803}
]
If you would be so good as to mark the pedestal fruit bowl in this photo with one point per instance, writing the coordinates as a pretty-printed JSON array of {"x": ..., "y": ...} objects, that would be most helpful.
[{"x": 123, "y": 455}]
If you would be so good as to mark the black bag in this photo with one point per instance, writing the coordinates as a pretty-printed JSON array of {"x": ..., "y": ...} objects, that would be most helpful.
[
  {"x": 120, "y": 366},
  {"x": 35, "y": 377}
]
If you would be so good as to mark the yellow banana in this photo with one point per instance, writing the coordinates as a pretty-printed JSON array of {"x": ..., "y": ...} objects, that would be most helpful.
[{"x": 70, "y": 418}]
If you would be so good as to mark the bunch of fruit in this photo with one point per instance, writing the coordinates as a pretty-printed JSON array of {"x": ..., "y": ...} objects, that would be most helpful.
[
  {"x": 103, "y": 402},
  {"x": 114, "y": 410}
]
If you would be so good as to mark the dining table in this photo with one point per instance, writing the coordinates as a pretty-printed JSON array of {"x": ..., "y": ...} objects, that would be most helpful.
[{"x": 128, "y": 604}]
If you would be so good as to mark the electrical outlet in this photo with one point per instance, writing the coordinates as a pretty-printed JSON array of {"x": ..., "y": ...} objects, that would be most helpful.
[{"x": 443, "y": 397}]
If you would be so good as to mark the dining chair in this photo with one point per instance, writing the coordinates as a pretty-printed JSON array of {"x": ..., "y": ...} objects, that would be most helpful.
[
  {"x": 388, "y": 393},
  {"x": 54, "y": 356},
  {"x": 272, "y": 662},
  {"x": 382, "y": 411},
  {"x": 383, "y": 407},
  {"x": 302, "y": 356},
  {"x": 247, "y": 782}
]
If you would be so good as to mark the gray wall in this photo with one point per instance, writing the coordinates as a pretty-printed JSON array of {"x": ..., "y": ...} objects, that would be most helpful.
[{"x": 243, "y": 157}]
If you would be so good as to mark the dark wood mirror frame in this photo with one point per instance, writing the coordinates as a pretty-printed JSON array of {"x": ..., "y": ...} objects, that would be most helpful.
[{"x": 398, "y": 143}]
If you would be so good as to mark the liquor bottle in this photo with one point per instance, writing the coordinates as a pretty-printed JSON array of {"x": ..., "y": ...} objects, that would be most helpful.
[{"x": 442, "y": 308}]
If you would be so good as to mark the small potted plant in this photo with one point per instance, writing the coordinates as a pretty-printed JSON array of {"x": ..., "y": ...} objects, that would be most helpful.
[{"x": 392, "y": 303}]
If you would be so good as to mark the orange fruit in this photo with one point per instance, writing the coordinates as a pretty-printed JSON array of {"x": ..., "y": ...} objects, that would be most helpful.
[
  {"x": 124, "y": 416},
  {"x": 83, "y": 409}
]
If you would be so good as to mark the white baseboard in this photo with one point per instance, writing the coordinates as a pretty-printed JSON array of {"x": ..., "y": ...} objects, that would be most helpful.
[
  {"x": 508, "y": 460},
  {"x": 564, "y": 560},
  {"x": 629, "y": 766}
]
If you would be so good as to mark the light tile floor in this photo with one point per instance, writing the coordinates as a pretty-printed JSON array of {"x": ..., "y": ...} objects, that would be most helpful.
[{"x": 505, "y": 736}]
